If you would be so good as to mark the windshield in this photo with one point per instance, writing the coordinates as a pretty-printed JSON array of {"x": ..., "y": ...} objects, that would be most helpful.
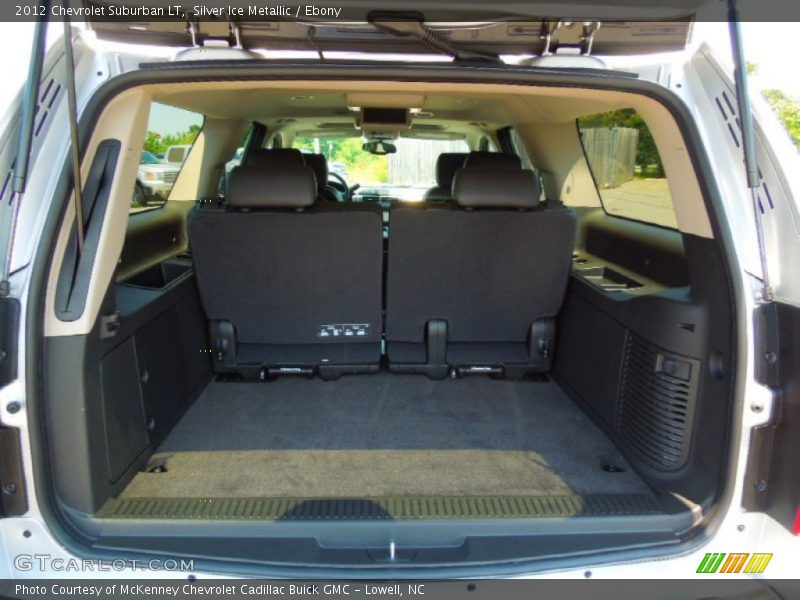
[
  {"x": 412, "y": 166},
  {"x": 148, "y": 158}
]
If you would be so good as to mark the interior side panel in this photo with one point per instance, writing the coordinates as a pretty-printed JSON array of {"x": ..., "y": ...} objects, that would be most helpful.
[
  {"x": 123, "y": 409},
  {"x": 142, "y": 365},
  {"x": 144, "y": 361},
  {"x": 589, "y": 354},
  {"x": 161, "y": 371},
  {"x": 644, "y": 343},
  {"x": 152, "y": 236}
]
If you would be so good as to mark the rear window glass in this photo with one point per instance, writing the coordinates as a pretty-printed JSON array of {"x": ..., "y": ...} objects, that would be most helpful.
[
  {"x": 171, "y": 132},
  {"x": 412, "y": 165},
  {"x": 626, "y": 167}
]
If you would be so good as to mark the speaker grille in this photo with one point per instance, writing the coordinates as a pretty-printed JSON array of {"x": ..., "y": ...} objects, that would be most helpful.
[{"x": 656, "y": 403}]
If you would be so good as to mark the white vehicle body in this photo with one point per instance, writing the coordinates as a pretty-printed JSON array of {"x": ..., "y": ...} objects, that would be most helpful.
[
  {"x": 698, "y": 80},
  {"x": 158, "y": 179}
]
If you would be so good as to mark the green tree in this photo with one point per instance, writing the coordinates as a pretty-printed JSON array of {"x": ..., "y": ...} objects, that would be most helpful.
[
  {"x": 788, "y": 110},
  {"x": 785, "y": 106},
  {"x": 158, "y": 144},
  {"x": 361, "y": 166}
]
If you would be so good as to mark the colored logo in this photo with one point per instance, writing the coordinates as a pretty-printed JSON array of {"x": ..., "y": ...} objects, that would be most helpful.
[{"x": 720, "y": 562}]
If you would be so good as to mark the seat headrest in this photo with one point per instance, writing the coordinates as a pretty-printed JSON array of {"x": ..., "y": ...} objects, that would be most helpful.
[
  {"x": 480, "y": 187},
  {"x": 319, "y": 164},
  {"x": 267, "y": 157},
  {"x": 289, "y": 186},
  {"x": 446, "y": 166},
  {"x": 497, "y": 160}
]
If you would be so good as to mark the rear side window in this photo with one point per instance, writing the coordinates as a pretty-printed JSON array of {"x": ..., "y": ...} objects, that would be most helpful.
[
  {"x": 234, "y": 161},
  {"x": 519, "y": 149},
  {"x": 171, "y": 133},
  {"x": 626, "y": 167}
]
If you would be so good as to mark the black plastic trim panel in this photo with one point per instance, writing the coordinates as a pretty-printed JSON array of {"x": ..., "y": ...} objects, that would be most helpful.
[
  {"x": 76, "y": 270},
  {"x": 13, "y": 499},
  {"x": 439, "y": 507},
  {"x": 771, "y": 480},
  {"x": 9, "y": 339}
]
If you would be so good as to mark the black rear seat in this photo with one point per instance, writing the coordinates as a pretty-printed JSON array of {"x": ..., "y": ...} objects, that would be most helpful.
[
  {"x": 288, "y": 289},
  {"x": 291, "y": 286},
  {"x": 477, "y": 288}
]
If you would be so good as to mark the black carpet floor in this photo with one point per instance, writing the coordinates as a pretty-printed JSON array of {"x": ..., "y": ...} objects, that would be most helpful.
[{"x": 384, "y": 435}]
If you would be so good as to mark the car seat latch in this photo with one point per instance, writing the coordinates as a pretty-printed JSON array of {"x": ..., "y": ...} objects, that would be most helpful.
[
  {"x": 221, "y": 348},
  {"x": 109, "y": 325},
  {"x": 544, "y": 347}
]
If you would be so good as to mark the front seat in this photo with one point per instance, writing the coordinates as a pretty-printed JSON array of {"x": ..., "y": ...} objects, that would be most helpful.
[
  {"x": 319, "y": 164},
  {"x": 446, "y": 166},
  {"x": 493, "y": 160},
  {"x": 274, "y": 157}
]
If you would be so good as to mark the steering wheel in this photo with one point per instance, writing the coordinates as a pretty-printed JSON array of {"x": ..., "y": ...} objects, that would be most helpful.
[{"x": 348, "y": 191}]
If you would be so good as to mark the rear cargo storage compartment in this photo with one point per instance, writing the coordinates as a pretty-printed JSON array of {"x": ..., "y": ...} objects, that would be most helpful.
[
  {"x": 384, "y": 437},
  {"x": 510, "y": 374}
]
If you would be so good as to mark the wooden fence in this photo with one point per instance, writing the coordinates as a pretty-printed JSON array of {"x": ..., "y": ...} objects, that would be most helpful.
[
  {"x": 415, "y": 160},
  {"x": 611, "y": 153}
]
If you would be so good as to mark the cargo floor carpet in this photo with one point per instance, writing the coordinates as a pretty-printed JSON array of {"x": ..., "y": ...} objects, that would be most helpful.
[{"x": 384, "y": 435}]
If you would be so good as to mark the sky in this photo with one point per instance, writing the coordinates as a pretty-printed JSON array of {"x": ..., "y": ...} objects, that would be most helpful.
[
  {"x": 770, "y": 45},
  {"x": 168, "y": 119}
]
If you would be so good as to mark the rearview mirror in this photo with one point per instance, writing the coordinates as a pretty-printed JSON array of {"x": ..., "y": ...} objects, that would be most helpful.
[{"x": 379, "y": 147}]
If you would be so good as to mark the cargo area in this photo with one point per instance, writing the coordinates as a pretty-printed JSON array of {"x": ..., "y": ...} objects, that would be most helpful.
[
  {"x": 384, "y": 436},
  {"x": 502, "y": 350}
]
